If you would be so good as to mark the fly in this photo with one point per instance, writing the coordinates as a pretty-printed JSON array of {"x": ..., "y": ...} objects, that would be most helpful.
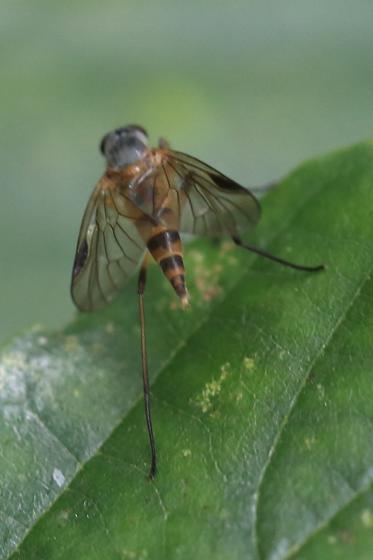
[{"x": 145, "y": 199}]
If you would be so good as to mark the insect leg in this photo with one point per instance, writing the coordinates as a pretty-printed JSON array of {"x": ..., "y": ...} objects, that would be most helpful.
[
  {"x": 267, "y": 255},
  {"x": 145, "y": 376}
]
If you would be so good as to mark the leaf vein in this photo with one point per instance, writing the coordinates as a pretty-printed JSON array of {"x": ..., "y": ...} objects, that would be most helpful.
[{"x": 294, "y": 402}]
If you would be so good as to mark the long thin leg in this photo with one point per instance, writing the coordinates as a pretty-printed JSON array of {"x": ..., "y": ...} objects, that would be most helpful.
[
  {"x": 145, "y": 376},
  {"x": 267, "y": 255}
]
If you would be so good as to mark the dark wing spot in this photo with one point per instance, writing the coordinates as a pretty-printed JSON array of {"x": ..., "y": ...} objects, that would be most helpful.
[
  {"x": 225, "y": 183},
  {"x": 80, "y": 258}
]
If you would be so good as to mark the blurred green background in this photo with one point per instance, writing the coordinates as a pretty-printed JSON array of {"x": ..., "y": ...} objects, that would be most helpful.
[{"x": 252, "y": 87}]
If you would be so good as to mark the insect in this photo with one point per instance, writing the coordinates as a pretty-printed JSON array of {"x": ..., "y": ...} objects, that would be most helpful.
[{"x": 144, "y": 200}]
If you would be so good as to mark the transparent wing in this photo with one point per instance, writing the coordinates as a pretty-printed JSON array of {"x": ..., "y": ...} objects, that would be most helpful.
[
  {"x": 109, "y": 249},
  {"x": 206, "y": 201}
]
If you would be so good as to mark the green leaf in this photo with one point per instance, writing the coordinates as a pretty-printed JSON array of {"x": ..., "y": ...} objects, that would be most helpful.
[{"x": 262, "y": 400}]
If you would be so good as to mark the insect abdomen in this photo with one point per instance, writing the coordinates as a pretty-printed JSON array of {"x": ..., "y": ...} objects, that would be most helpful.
[{"x": 165, "y": 247}]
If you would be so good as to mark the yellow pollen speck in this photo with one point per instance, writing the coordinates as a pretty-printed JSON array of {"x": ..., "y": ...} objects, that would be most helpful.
[
  {"x": 367, "y": 518},
  {"x": 212, "y": 389},
  {"x": 186, "y": 452},
  {"x": 321, "y": 391},
  {"x": 207, "y": 284},
  {"x": 206, "y": 277},
  {"x": 225, "y": 371},
  {"x": 309, "y": 442},
  {"x": 249, "y": 363}
]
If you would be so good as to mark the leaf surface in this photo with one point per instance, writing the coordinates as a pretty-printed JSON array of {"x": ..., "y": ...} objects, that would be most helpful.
[{"x": 261, "y": 399}]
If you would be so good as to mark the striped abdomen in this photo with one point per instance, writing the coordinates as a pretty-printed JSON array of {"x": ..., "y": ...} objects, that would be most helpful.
[{"x": 165, "y": 247}]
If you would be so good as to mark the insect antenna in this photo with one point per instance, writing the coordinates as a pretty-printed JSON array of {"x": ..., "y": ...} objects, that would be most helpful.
[
  {"x": 271, "y": 257},
  {"x": 145, "y": 376}
]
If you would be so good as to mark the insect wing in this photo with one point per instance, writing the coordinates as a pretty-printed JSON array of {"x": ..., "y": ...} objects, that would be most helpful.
[
  {"x": 209, "y": 202},
  {"x": 109, "y": 249}
]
